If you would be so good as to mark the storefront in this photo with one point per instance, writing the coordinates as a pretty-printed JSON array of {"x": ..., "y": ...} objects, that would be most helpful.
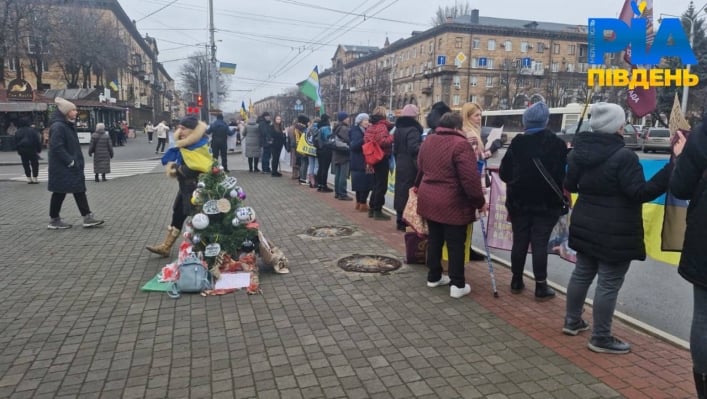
[{"x": 18, "y": 102}]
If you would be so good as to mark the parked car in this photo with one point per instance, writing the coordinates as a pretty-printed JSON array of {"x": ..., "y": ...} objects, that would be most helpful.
[
  {"x": 657, "y": 139},
  {"x": 631, "y": 138}
]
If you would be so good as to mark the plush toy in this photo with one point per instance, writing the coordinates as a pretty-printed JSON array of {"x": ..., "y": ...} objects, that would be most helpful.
[{"x": 191, "y": 148}]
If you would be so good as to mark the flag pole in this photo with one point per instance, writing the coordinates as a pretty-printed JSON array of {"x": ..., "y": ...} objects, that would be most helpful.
[{"x": 584, "y": 110}]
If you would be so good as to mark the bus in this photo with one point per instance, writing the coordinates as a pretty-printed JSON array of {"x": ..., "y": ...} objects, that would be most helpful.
[{"x": 512, "y": 119}]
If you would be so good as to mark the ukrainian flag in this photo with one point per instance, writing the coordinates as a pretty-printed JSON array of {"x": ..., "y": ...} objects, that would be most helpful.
[
  {"x": 656, "y": 227},
  {"x": 113, "y": 85},
  {"x": 227, "y": 68}
]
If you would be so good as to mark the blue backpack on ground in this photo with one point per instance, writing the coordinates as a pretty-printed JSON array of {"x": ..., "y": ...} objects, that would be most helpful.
[{"x": 193, "y": 278}]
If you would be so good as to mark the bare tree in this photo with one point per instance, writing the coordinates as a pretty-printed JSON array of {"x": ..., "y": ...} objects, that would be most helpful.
[
  {"x": 194, "y": 76},
  {"x": 458, "y": 9},
  {"x": 8, "y": 25},
  {"x": 372, "y": 86}
]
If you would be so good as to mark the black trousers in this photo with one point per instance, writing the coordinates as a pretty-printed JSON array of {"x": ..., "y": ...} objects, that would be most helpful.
[
  {"x": 253, "y": 163},
  {"x": 220, "y": 149},
  {"x": 534, "y": 230},
  {"x": 160, "y": 142},
  {"x": 362, "y": 196},
  {"x": 380, "y": 184},
  {"x": 149, "y": 136},
  {"x": 455, "y": 237},
  {"x": 182, "y": 207},
  {"x": 30, "y": 163},
  {"x": 58, "y": 199},
  {"x": 276, "y": 150},
  {"x": 324, "y": 160}
]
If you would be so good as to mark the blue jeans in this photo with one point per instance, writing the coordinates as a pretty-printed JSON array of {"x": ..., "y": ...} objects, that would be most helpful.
[
  {"x": 341, "y": 173},
  {"x": 611, "y": 278},
  {"x": 698, "y": 337},
  {"x": 265, "y": 160},
  {"x": 313, "y": 166}
]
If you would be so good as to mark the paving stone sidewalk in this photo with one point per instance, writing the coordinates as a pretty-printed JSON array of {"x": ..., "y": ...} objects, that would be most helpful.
[{"x": 74, "y": 322}]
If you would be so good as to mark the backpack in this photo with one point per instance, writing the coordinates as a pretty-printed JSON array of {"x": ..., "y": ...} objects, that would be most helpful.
[
  {"x": 372, "y": 153},
  {"x": 313, "y": 137},
  {"x": 193, "y": 278}
]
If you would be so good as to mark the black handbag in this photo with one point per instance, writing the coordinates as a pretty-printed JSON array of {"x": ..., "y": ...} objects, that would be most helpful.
[{"x": 553, "y": 185}]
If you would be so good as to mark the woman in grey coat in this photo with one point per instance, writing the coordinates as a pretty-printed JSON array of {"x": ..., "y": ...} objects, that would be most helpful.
[
  {"x": 101, "y": 150},
  {"x": 252, "y": 144}
]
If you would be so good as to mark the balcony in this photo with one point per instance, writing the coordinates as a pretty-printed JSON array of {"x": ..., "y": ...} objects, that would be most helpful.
[{"x": 427, "y": 90}]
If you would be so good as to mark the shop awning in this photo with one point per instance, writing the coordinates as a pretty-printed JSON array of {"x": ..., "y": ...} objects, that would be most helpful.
[{"x": 22, "y": 107}]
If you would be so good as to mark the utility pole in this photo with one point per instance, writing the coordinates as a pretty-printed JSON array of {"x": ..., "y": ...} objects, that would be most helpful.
[
  {"x": 213, "y": 92},
  {"x": 198, "y": 83}
]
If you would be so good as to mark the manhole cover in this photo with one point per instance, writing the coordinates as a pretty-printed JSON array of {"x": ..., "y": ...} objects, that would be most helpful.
[
  {"x": 329, "y": 231},
  {"x": 369, "y": 264}
]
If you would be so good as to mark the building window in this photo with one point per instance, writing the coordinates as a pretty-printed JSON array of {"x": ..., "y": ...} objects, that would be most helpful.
[
  {"x": 414, "y": 52},
  {"x": 570, "y": 67},
  {"x": 458, "y": 42},
  {"x": 473, "y": 80},
  {"x": 571, "y": 49},
  {"x": 37, "y": 45},
  {"x": 508, "y": 45},
  {"x": 583, "y": 51},
  {"x": 492, "y": 44},
  {"x": 12, "y": 64},
  {"x": 432, "y": 44},
  {"x": 489, "y": 63},
  {"x": 439, "y": 43},
  {"x": 473, "y": 99},
  {"x": 489, "y": 81},
  {"x": 413, "y": 70},
  {"x": 455, "y": 99},
  {"x": 523, "y": 47},
  {"x": 540, "y": 47},
  {"x": 475, "y": 43},
  {"x": 538, "y": 83},
  {"x": 556, "y": 48},
  {"x": 457, "y": 82},
  {"x": 555, "y": 66}
]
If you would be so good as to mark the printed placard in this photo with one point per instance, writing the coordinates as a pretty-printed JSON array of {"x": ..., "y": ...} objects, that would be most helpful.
[
  {"x": 210, "y": 207},
  {"x": 212, "y": 250}
]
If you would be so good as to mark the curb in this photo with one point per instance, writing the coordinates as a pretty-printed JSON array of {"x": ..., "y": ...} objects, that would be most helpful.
[{"x": 626, "y": 319}]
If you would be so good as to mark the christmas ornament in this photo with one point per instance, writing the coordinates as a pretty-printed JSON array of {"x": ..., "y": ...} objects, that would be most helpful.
[
  {"x": 229, "y": 183},
  {"x": 235, "y": 222},
  {"x": 200, "y": 221},
  {"x": 196, "y": 239},
  {"x": 245, "y": 214},
  {"x": 215, "y": 170},
  {"x": 221, "y": 168},
  {"x": 187, "y": 235},
  {"x": 233, "y": 193},
  {"x": 210, "y": 207},
  {"x": 241, "y": 195},
  {"x": 223, "y": 205},
  {"x": 247, "y": 245},
  {"x": 201, "y": 184},
  {"x": 212, "y": 250}
]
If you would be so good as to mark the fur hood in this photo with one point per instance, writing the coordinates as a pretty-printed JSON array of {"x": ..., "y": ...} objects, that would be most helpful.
[
  {"x": 188, "y": 137},
  {"x": 408, "y": 121}
]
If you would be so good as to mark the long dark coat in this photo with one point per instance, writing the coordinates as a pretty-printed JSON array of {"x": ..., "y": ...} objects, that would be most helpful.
[
  {"x": 690, "y": 182},
  {"x": 64, "y": 148},
  {"x": 102, "y": 151},
  {"x": 406, "y": 145},
  {"x": 28, "y": 141},
  {"x": 360, "y": 180},
  {"x": 607, "y": 220}
]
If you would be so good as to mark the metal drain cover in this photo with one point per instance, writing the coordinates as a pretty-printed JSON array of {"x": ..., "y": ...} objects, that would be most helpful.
[
  {"x": 369, "y": 264},
  {"x": 329, "y": 231}
]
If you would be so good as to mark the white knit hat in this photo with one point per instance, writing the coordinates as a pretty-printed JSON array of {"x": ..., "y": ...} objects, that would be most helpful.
[
  {"x": 607, "y": 117},
  {"x": 64, "y": 105}
]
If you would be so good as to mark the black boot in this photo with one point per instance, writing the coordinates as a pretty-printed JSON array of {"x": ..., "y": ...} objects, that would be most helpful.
[
  {"x": 517, "y": 285},
  {"x": 475, "y": 256},
  {"x": 700, "y": 384},
  {"x": 97, "y": 177},
  {"x": 543, "y": 292},
  {"x": 104, "y": 177}
]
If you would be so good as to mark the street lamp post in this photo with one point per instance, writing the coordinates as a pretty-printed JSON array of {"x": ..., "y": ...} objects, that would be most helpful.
[{"x": 686, "y": 88}]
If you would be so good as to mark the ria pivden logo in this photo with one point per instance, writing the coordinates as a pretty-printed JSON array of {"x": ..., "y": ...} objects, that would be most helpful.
[{"x": 629, "y": 32}]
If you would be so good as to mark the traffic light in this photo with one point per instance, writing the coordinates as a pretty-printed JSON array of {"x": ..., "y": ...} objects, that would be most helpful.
[{"x": 199, "y": 100}]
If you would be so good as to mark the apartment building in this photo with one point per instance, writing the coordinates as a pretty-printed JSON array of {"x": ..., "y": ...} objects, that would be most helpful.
[{"x": 498, "y": 63}]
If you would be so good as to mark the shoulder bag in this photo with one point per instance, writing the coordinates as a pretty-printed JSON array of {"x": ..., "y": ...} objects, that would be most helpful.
[{"x": 553, "y": 185}]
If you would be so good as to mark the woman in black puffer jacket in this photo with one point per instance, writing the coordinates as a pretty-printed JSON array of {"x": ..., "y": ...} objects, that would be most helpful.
[
  {"x": 606, "y": 228},
  {"x": 689, "y": 181}
]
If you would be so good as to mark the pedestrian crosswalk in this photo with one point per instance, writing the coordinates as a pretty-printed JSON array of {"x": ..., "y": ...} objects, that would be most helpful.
[{"x": 118, "y": 169}]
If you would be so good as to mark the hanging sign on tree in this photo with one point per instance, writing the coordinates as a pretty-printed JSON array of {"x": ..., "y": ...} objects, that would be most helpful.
[{"x": 211, "y": 207}]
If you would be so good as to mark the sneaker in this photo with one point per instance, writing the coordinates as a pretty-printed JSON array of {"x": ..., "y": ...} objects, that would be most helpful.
[
  {"x": 444, "y": 280},
  {"x": 90, "y": 221},
  {"x": 611, "y": 345},
  {"x": 575, "y": 328},
  {"x": 303, "y": 183},
  {"x": 345, "y": 198},
  {"x": 543, "y": 292},
  {"x": 456, "y": 292},
  {"x": 58, "y": 224}
]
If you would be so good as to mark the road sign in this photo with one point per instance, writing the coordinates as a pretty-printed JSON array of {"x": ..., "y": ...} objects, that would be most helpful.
[
  {"x": 459, "y": 59},
  {"x": 441, "y": 60}
]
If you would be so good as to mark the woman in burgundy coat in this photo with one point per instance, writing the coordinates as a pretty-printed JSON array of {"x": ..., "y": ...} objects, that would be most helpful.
[{"x": 449, "y": 193}]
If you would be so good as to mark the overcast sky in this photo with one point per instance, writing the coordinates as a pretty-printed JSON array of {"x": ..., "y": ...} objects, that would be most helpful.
[{"x": 276, "y": 43}]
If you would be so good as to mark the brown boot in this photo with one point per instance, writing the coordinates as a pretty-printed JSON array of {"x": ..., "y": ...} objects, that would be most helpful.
[
  {"x": 363, "y": 207},
  {"x": 358, "y": 206},
  {"x": 166, "y": 246}
]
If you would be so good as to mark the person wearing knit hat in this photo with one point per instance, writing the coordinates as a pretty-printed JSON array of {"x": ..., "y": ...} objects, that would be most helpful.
[
  {"x": 535, "y": 118},
  {"x": 607, "y": 118},
  {"x": 101, "y": 150},
  {"x": 341, "y": 116},
  {"x": 189, "y": 121},
  {"x": 607, "y": 222},
  {"x": 406, "y": 144},
  {"x": 531, "y": 202},
  {"x": 361, "y": 182},
  {"x": 341, "y": 157},
  {"x": 303, "y": 119},
  {"x": 66, "y": 167},
  {"x": 438, "y": 109}
]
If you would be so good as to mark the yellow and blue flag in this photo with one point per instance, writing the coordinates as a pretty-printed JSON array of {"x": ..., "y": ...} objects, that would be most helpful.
[
  {"x": 244, "y": 113},
  {"x": 227, "y": 68}
]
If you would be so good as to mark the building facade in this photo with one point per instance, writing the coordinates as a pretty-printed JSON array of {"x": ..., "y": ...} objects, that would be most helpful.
[
  {"x": 498, "y": 63},
  {"x": 126, "y": 74}
]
